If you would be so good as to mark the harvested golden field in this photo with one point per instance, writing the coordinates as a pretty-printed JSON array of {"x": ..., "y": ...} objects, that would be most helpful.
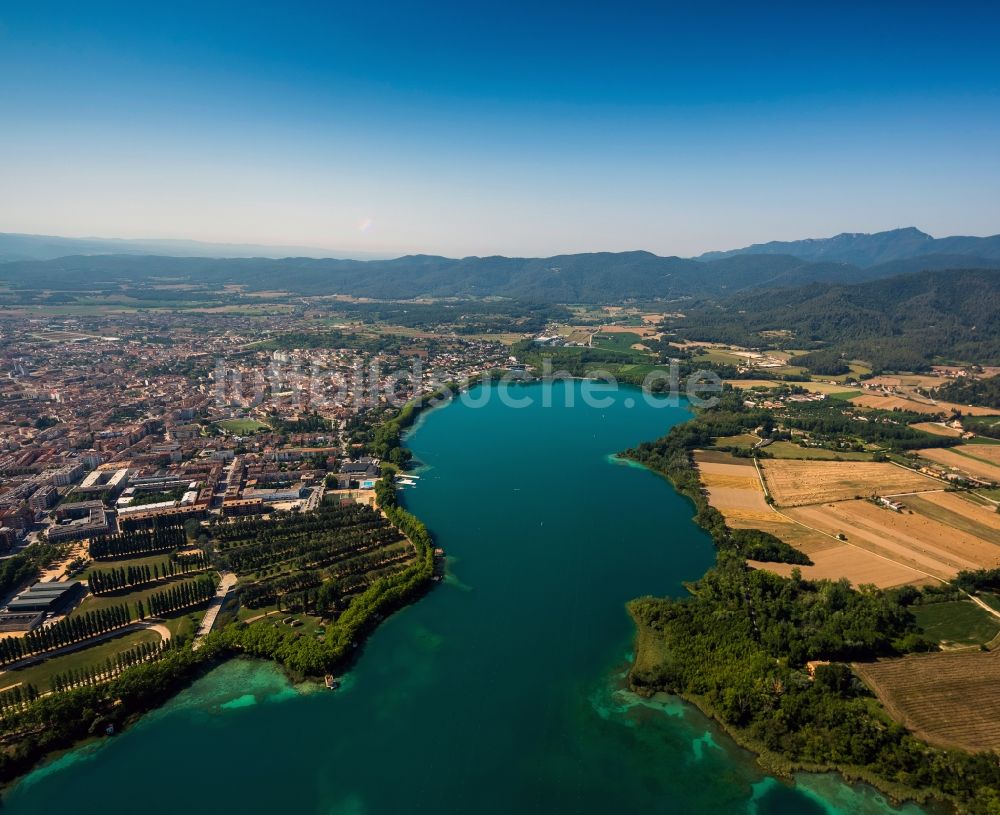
[
  {"x": 814, "y": 387},
  {"x": 984, "y": 452},
  {"x": 880, "y": 402},
  {"x": 746, "y": 384},
  {"x": 908, "y": 538},
  {"x": 951, "y": 699},
  {"x": 835, "y": 560},
  {"x": 909, "y": 381},
  {"x": 975, "y": 467},
  {"x": 642, "y": 330},
  {"x": 733, "y": 488},
  {"x": 953, "y": 509},
  {"x": 937, "y": 429},
  {"x": 795, "y": 483}
]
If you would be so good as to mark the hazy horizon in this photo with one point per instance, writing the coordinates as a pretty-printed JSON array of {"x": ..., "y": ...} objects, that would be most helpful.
[
  {"x": 511, "y": 129},
  {"x": 335, "y": 253}
]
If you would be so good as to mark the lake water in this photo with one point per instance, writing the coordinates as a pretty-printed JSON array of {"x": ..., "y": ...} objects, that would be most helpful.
[{"x": 502, "y": 690}]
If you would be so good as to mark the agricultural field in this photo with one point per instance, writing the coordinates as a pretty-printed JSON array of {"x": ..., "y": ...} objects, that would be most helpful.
[
  {"x": 951, "y": 699},
  {"x": 743, "y": 440},
  {"x": 984, "y": 452},
  {"x": 894, "y": 402},
  {"x": 734, "y": 489},
  {"x": 956, "y": 623},
  {"x": 574, "y": 333},
  {"x": 617, "y": 341},
  {"x": 905, "y": 381},
  {"x": 833, "y": 560},
  {"x": 937, "y": 429},
  {"x": 958, "y": 511},
  {"x": 914, "y": 540},
  {"x": 720, "y": 355},
  {"x": 966, "y": 459},
  {"x": 788, "y": 449},
  {"x": 796, "y": 483},
  {"x": 750, "y": 384},
  {"x": 813, "y": 387},
  {"x": 641, "y": 332}
]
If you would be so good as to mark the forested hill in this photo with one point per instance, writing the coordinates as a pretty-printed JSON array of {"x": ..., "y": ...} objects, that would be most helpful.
[
  {"x": 902, "y": 322},
  {"x": 603, "y": 277},
  {"x": 969, "y": 391},
  {"x": 864, "y": 249}
]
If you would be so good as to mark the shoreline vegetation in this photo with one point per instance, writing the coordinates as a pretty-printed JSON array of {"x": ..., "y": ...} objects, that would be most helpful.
[{"x": 768, "y": 657}]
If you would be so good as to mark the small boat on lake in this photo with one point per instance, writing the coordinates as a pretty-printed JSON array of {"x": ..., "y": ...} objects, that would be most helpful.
[{"x": 332, "y": 683}]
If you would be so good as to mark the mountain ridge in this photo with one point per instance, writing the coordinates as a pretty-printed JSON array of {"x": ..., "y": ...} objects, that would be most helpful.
[
  {"x": 601, "y": 277},
  {"x": 871, "y": 248}
]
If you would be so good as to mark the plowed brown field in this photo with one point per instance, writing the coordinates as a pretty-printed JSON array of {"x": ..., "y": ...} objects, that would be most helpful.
[{"x": 948, "y": 699}]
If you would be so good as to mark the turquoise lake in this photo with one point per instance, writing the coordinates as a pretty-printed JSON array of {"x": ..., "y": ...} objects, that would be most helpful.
[{"x": 501, "y": 691}]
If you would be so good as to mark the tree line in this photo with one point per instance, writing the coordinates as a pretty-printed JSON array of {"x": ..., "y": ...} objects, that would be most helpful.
[
  {"x": 107, "y": 581},
  {"x": 68, "y": 630},
  {"x": 134, "y": 542},
  {"x": 17, "y": 699},
  {"x": 969, "y": 390},
  {"x": 182, "y": 595},
  {"x": 113, "y": 667}
]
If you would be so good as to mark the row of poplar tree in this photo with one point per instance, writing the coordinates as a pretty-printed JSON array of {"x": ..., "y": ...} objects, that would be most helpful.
[
  {"x": 105, "y": 581},
  {"x": 77, "y": 627},
  {"x": 68, "y": 630},
  {"x": 112, "y": 667},
  {"x": 133, "y": 542}
]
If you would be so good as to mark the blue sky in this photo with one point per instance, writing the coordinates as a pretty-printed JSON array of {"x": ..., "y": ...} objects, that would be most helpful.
[{"x": 513, "y": 128}]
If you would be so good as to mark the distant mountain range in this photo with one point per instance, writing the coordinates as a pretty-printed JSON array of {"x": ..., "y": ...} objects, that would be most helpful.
[
  {"x": 14, "y": 246},
  {"x": 864, "y": 249},
  {"x": 602, "y": 277}
]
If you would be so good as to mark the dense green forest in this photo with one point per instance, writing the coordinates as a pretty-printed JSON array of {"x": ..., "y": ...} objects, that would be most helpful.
[
  {"x": 969, "y": 391},
  {"x": 902, "y": 323},
  {"x": 830, "y": 420},
  {"x": 983, "y": 425}
]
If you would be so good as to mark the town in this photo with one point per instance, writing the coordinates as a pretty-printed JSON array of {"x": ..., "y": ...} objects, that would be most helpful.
[{"x": 143, "y": 456}]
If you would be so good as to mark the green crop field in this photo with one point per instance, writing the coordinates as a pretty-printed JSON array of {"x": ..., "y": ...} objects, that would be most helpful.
[
  {"x": 956, "y": 622},
  {"x": 787, "y": 449}
]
